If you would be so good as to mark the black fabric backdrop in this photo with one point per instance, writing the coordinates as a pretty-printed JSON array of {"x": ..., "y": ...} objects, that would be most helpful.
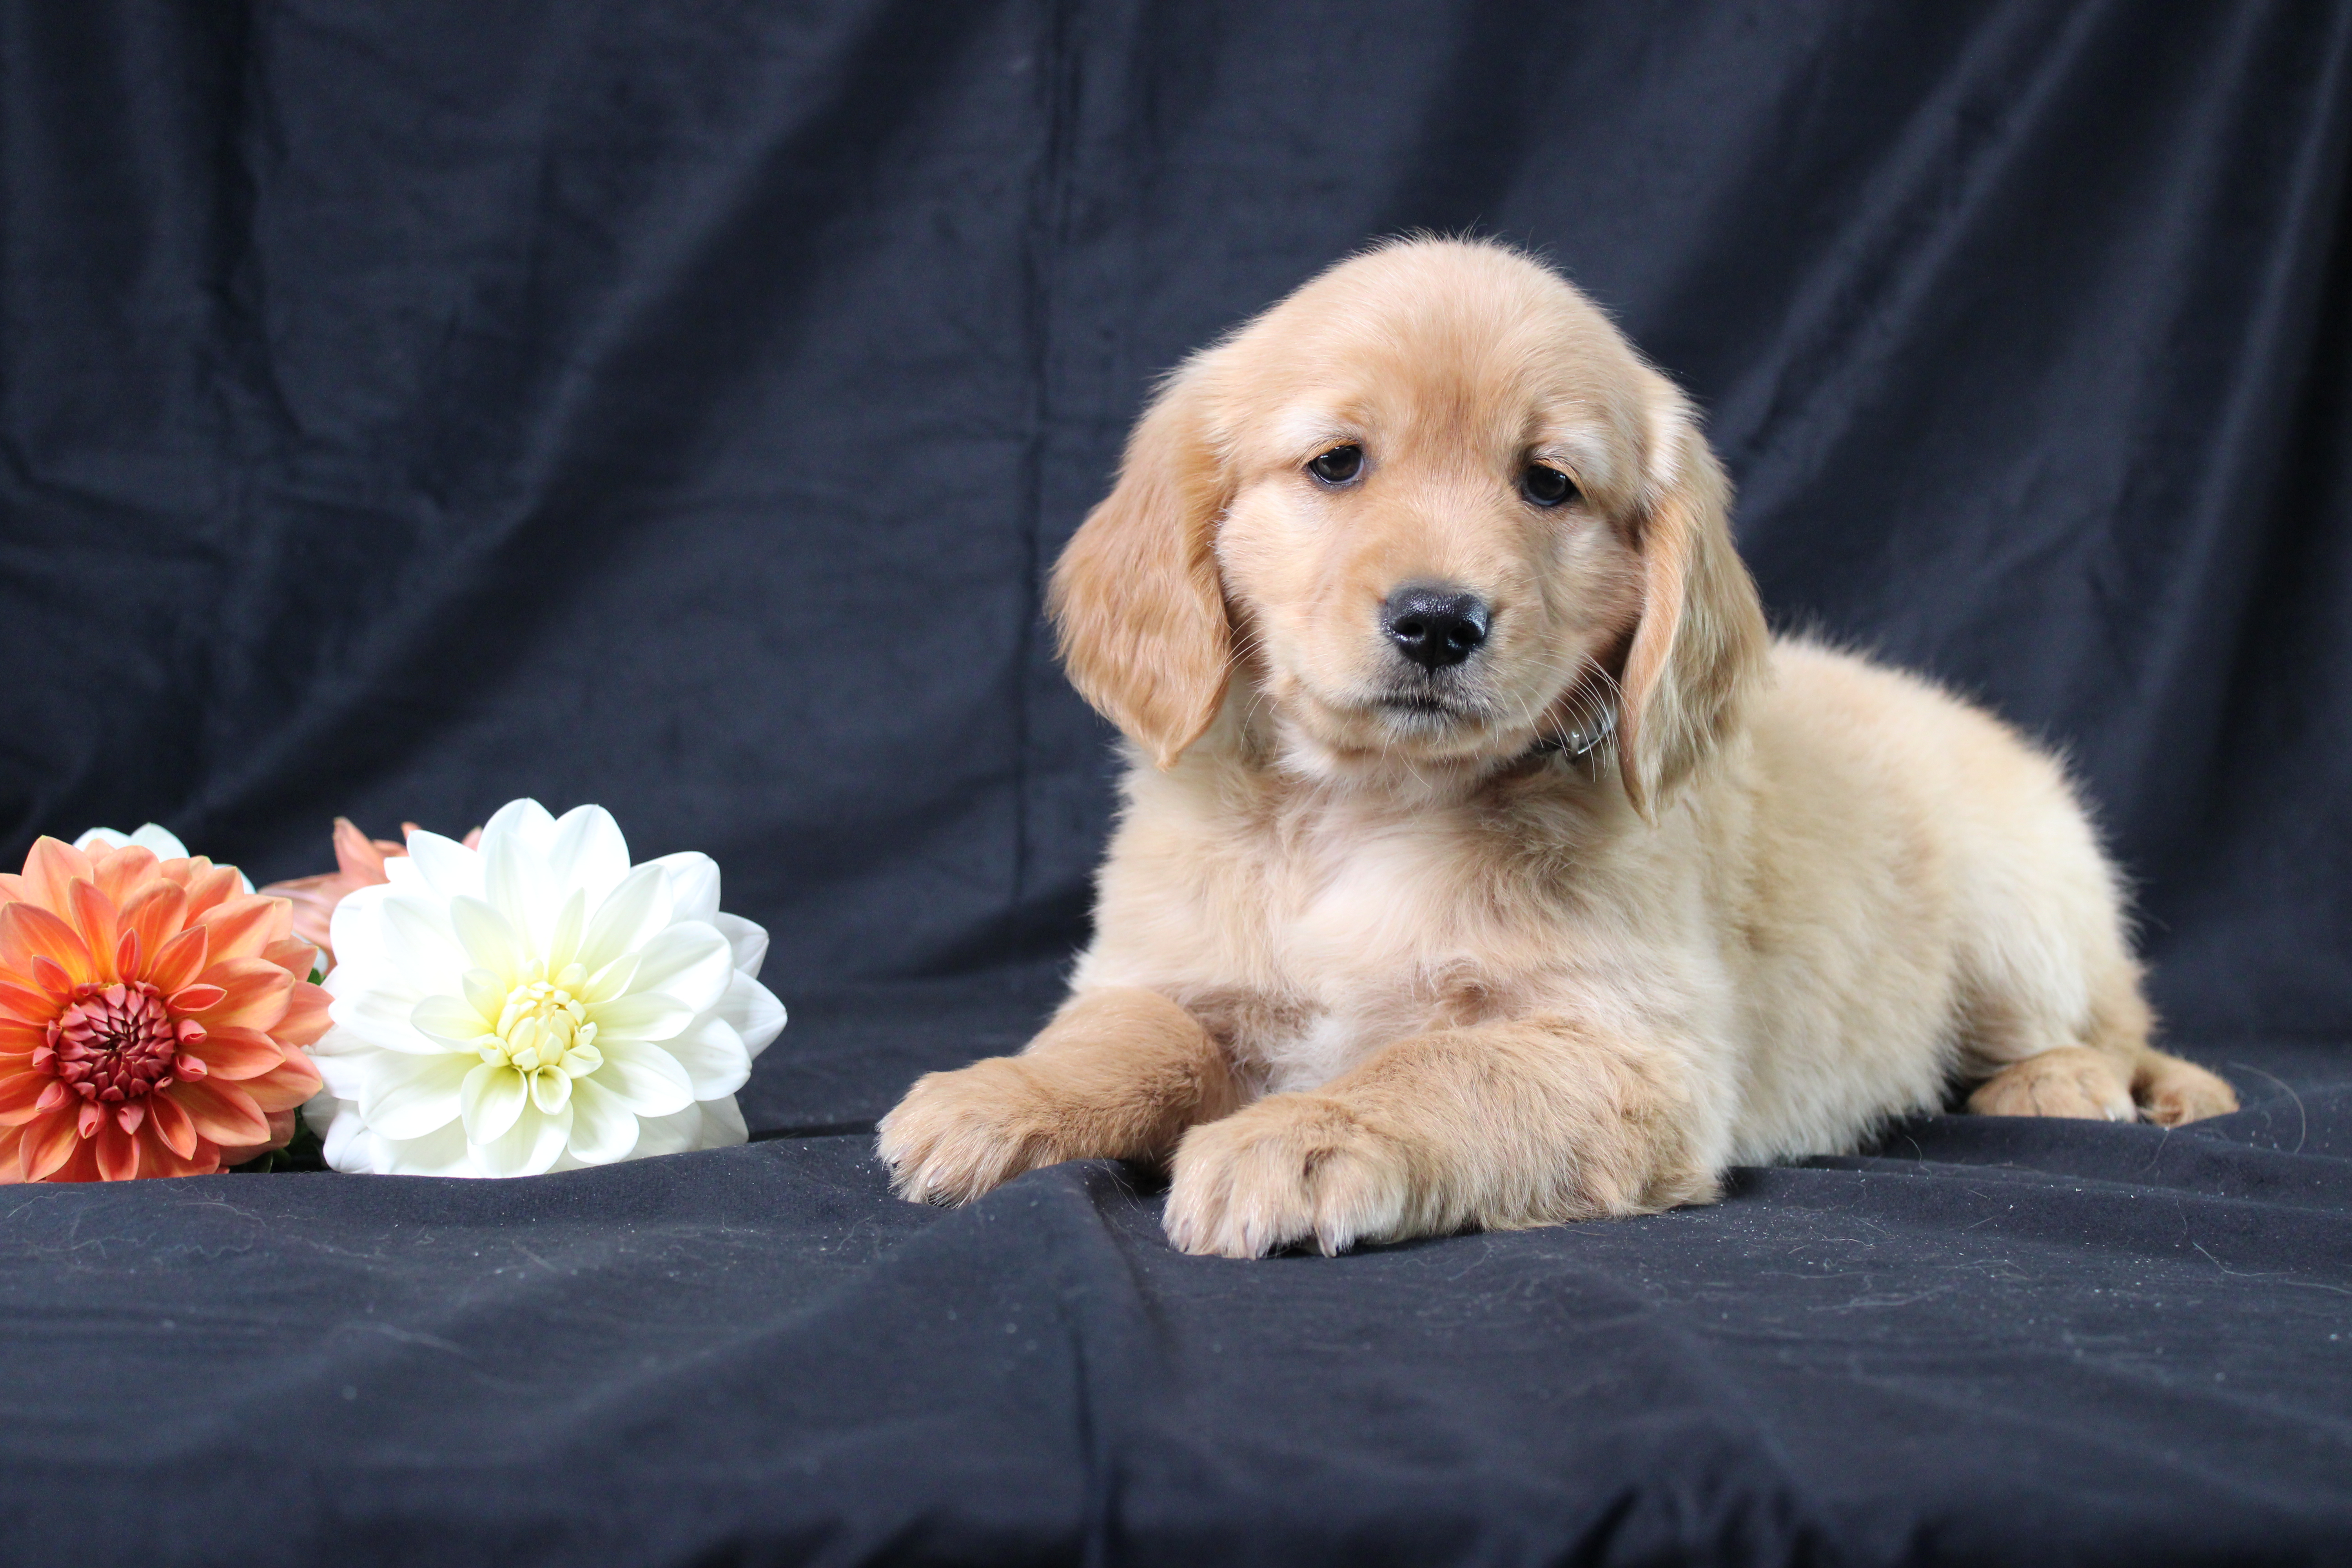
[{"x": 405, "y": 408}]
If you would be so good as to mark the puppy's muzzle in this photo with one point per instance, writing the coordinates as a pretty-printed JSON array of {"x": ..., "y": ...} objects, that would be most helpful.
[{"x": 1436, "y": 625}]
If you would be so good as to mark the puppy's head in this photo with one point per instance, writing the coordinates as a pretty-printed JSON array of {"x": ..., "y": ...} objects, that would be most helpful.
[{"x": 1435, "y": 509}]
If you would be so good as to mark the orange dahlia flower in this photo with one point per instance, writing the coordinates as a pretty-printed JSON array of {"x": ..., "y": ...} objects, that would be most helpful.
[{"x": 152, "y": 1015}]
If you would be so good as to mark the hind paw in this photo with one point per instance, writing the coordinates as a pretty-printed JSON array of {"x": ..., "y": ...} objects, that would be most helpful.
[
  {"x": 2071, "y": 1080},
  {"x": 2171, "y": 1092}
]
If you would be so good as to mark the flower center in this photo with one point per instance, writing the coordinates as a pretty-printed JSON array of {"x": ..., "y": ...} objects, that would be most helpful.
[
  {"x": 545, "y": 1026},
  {"x": 114, "y": 1043}
]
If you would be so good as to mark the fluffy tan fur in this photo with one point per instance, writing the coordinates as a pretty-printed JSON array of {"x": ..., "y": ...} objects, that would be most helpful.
[{"x": 1372, "y": 961}]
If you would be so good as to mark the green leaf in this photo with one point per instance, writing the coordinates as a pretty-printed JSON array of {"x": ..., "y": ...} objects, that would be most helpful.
[{"x": 304, "y": 1153}]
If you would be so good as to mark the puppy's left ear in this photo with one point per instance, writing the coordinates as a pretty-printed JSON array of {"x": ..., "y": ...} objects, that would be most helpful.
[
  {"x": 1698, "y": 650},
  {"x": 1137, "y": 594}
]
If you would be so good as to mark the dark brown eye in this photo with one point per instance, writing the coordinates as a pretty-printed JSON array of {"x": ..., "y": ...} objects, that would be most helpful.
[
  {"x": 1546, "y": 487},
  {"x": 1339, "y": 465}
]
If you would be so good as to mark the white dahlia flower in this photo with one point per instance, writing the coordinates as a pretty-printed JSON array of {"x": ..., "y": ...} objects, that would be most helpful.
[
  {"x": 537, "y": 1005},
  {"x": 154, "y": 837}
]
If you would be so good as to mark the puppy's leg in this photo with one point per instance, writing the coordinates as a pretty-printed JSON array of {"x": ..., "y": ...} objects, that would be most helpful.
[
  {"x": 1529, "y": 1123},
  {"x": 2115, "y": 1076},
  {"x": 2065, "y": 1081},
  {"x": 1118, "y": 1074},
  {"x": 2171, "y": 1092}
]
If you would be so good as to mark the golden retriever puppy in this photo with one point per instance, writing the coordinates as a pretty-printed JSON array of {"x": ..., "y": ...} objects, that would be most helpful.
[{"x": 1483, "y": 861}]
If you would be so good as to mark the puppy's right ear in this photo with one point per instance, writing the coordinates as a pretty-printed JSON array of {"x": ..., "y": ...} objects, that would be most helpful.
[{"x": 1137, "y": 597}]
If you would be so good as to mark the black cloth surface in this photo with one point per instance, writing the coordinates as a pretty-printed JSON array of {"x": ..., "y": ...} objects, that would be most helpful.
[{"x": 405, "y": 408}]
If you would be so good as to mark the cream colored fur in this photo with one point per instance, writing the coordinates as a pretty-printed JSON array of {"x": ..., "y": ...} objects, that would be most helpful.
[{"x": 1365, "y": 969}]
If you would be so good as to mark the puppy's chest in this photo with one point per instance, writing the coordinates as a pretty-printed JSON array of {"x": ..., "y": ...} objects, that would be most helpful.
[{"x": 1352, "y": 934}]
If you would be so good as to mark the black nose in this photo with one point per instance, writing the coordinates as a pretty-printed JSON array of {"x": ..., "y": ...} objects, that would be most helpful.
[{"x": 1435, "y": 628}]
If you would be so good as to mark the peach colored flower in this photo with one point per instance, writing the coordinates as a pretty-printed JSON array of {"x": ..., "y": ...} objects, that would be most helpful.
[
  {"x": 152, "y": 1015},
  {"x": 359, "y": 863}
]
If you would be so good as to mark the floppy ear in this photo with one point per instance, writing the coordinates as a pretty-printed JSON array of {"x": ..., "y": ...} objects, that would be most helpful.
[
  {"x": 1136, "y": 597},
  {"x": 1699, "y": 647}
]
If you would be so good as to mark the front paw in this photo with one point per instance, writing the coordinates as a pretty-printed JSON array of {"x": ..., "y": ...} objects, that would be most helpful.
[
  {"x": 958, "y": 1135},
  {"x": 1285, "y": 1170}
]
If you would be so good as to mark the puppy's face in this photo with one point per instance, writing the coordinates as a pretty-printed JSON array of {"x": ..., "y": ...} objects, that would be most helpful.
[
  {"x": 1431, "y": 510},
  {"x": 1427, "y": 552}
]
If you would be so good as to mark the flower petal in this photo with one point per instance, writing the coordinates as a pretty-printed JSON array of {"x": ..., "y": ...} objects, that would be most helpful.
[
  {"x": 257, "y": 994},
  {"x": 338, "y": 1124},
  {"x": 589, "y": 854},
  {"x": 490, "y": 940},
  {"x": 281, "y": 1133},
  {"x": 220, "y": 1111},
  {"x": 207, "y": 884},
  {"x": 123, "y": 873},
  {"x": 713, "y": 1055},
  {"x": 525, "y": 822},
  {"x": 442, "y": 1153},
  {"x": 722, "y": 1124},
  {"x": 633, "y": 911},
  {"x": 24, "y": 1006},
  {"x": 19, "y": 1093},
  {"x": 241, "y": 926},
  {"x": 82, "y": 1165},
  {"x": 358, "y": 860},
  {"x": 693, "y": 884},
  {"x": 493, "y": 1099},
  {"x": 94, "y": 920},
  {"x": 29, "y": 932},
  {"x": 648, "y": 1079},
  {"x": 356, "y": 925},
  {"x": 283, "y": 1087},
  {"x": 754, "y": 1011},
  {"x": 233, "y": 1053},
  {"x": 418, "y": 939},
  {"x": 640, "y": 1015},
  {"x": 749, "y": 939},
  {"x": 448, "y": 868},
  {"x": 159, "y": 841},
  {"x": 690, "y": 963},
  {"x": 564, "y": 938},
  {"x": 296, "y": 955},
  {"x": 672, "y": 1134},
  {"x": 118, "y": 1152},
  {"x": 451, "y": 1021},
  {"x": 607, "y": 984},
  {"x": 550, "y": 1091},
  {"x": 408, "y": 1097},
  {"x": 346, "y": 1074},
  {"x": 156, "y": 912},
  {"x": 306, "y": 1017},
  {"x": 47, "y": 1142},
  {"x": 382, "y": 1020},
  {"x": 516, "y": 883},
  {"x": 533, "y": 1144},
  {"x": 170, "y": 1124},
  {"x": 603, "y": 1127},
  {"x": 352, "y": 1145},
  {"x": 53, "y": 868},
  {"x": 483, "y": 992},
  {"x": 178, "y": 960}
]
